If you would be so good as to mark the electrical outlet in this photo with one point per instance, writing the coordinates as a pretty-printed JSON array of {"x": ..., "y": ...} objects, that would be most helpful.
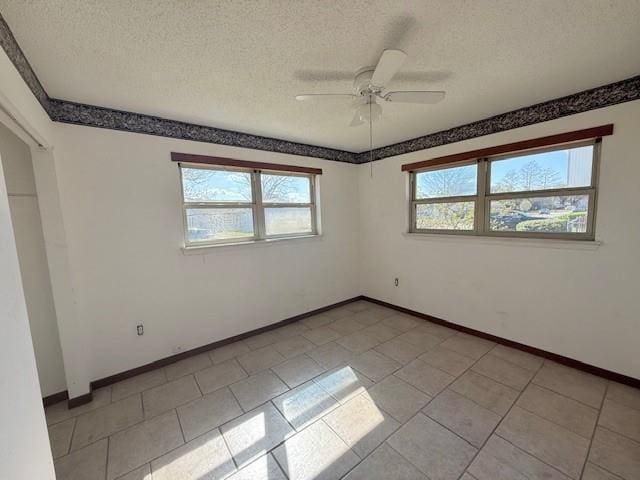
[
  {"x": 140, "y": 329},
  {"x": 396, "y": 282}
]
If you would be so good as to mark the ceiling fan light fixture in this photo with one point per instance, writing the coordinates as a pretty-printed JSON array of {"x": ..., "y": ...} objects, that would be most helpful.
[{"x": 373, "y": 108}]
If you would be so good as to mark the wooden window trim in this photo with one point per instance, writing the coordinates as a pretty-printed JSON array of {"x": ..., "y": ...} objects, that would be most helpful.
[
  {"x": 232, "y": 162},
  {"x": 567, "y": 137}
]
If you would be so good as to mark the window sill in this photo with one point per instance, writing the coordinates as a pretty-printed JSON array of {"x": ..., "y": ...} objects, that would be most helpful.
[
  {"x": 204, "y": 249},
  {"x": 553, "y": 243}
]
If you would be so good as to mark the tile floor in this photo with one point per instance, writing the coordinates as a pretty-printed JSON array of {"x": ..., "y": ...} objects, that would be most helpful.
[{"x": 358, "y": 392}]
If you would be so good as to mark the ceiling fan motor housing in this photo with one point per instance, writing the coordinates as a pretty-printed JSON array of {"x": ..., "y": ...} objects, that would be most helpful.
[{"x": 362, "y": 82}]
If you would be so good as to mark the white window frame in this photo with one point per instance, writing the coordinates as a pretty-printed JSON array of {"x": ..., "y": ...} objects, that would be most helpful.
[
  {"x": 483, "y": 196},
  {"x": 256, "y": 204}
]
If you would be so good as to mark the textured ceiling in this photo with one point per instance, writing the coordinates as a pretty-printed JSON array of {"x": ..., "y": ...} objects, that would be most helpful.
[{"x": 238, "y": 64}]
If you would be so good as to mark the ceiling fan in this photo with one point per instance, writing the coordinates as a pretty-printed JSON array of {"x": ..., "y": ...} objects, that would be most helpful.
[{"x": 370, "y": 84}]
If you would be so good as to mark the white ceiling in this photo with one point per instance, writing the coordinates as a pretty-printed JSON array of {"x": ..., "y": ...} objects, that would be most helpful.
[{"x": 238, "y": 64}]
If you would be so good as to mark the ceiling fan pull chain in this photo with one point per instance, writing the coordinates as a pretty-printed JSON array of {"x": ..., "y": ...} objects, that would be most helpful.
[{"x": 370, "y": 142}]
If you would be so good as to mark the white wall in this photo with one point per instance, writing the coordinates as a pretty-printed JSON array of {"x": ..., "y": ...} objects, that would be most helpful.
[
  {"x": 23, "y": 203},
  {"x": 120, "y": 198},
  {"x": 577, "y": 302},
  {"x": 24, "y": 445}
]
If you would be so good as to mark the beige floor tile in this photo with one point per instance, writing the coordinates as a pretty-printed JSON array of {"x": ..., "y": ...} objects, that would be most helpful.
[
  {"x": 345, "y": 326},
  {"x": 60, "y": 437},
  {"x": 439, "y": 331},
  {"x": 367, "y": 318},
  {"x": 142, "y": 473},
  {"x": 305, "y": 404},
  {"x": 339, "y": 313},
  {"x": 317, "y": 321},
  {"x": 485, "y": 392},
  {"x": 359, "y": 306},
  {"x": 291, "y": 330},
  {"x": 402, "y": 322},
  {"x": 361, "y": 424},
  {"x": 88, "y": 463},
  {"x": 264, "y": 468},
  {"x": 261, "y": 340},
  {"x": 330, "y": 355},
  {"x": 399, "y": 350},
  {"x": 298, "y": 370},
  {"x": 382, "y": 332},
  {"x": 545, "y": 440},
  {"x": 425, "y": 377},
  {"x": 616, "y": 454},
  {"x": 464, "y": 417},
  {"x": 107, "y": 420},
  {"x": 502, "y": 371},
  {"x": 381, "y": 312},
  {"x": 315, "y": 453},
  {"x": 205, "y": 458},
  {"x": 467, "y": 345},
  {"x": 421, "y": 338},
  {"x": 620, "y": 419},
  {"x": 137, "y": 384},
  {"x": 260, "y": 359},
  {"x": 343, "y": 383},
  {"x": 549, "y": 423},
  {"x": 447, "y": 360},
  {"x": 169, "y": 395},
  {"x": 220, "y": 375},
  {"x": 433, "y": 449},
  {"x": 559, "y": 409},
  {"x": 396, "y": 397},
  {"x": 321, "y": 335},
  {"x": 227, "y": 352},
  {"x": 624, "y": 395},
  {"x": 594, "y": 472},
  {"x": 255, "y": 433},
  {"x": 580, "y": 386},
  {"x": 257, "y": 389},
  {"x": 60, "y": 411},
  {"x": 142, "y": 443},
  {"x": 187, "y": 366},
  {"x": 518, "y": 357},
  {"x": 374, "y": 365},
  {"x": 500, "y": 460},
  {"x": 385, "y": 464},
  {"x": 208, "y": 412},
  {"x": 358, "y": 342}
]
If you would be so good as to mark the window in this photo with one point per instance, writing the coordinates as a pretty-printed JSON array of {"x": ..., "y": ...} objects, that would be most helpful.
[
  {"x": 226, "y": 204},
  {"x": 444, "y": 199},
  {"x": 544, "y": 193}
]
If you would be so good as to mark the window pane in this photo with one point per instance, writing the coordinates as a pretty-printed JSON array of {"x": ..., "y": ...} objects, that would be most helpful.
[
  {"x": 445, "y": 216},
  {"x": 204, "y": 185},
  {"x": 543, "y": 171},
  {"x": 565, "y": 214},
  {"x": 285, "y": 189},
  {"x": 448, "y": 182},
  {"x": 209, "y": 224},
  {"x": 279, "y": 221}
]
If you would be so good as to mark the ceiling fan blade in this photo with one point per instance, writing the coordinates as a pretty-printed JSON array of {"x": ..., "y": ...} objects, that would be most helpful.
[
  {"x": 321, "y": 96},
  {"x": 429, "y": 97},
  {"x": 388, "y": 65},
  {"x": 355, "y": 121}
]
